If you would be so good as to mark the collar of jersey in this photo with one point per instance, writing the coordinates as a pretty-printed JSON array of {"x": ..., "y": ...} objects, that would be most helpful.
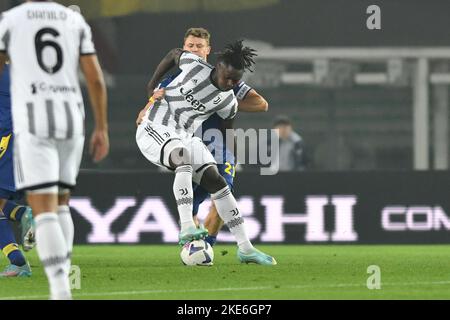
[{"x": 213, "y": 83}]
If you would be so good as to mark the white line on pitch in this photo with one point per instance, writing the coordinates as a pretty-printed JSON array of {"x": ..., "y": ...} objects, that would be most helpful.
[{"x": 130, "y": 293}]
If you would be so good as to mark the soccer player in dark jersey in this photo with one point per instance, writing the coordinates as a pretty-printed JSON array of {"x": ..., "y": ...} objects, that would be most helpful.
[
  {"x": 10, "y": 210},
  {"x": 197, "y": 41}
]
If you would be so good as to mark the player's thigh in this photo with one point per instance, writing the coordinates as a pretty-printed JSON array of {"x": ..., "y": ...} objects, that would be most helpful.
[
  {"x": 36, "y": 162},
  {"x": 70, "y": 153},
  {"x": 201, "y": 158},
  {"x": 157, "y": 142}
]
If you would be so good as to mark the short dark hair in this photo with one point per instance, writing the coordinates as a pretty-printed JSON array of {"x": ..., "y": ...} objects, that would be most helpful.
[
  {"x": 198, "y": 33},
  {"x": 238, "y": 56},
  {"x": 282, "y": 121}
]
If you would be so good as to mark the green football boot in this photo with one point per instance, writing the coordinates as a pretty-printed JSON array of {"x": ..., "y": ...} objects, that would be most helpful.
[
  {"x": 257, "y": 257},
  {"x": 16, "y": 271}
]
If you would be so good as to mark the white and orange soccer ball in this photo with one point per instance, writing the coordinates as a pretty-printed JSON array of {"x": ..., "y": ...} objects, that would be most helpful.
[{"x": 197, "y": 253}]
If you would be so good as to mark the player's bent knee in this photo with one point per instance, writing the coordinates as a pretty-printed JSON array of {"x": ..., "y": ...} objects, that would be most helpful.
[
  {"x": 63, "y": 196},
  {"x": 43, "y": 200},
  {"x": 212, "y": 181}
]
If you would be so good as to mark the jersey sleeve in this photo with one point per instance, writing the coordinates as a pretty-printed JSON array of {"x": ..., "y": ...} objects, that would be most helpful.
[
  {"x": 229, "y": 112},
  {"x": 4, "y": 33},
  {"x": 187, "y": 59},
  {"x": 165, "y": 83},
  {"x": 86, "y": 43},
  {"x": 241, "y": 90}
]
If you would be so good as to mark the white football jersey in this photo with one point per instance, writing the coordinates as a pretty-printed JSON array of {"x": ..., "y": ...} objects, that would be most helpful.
[
  {"x": 44, "y": 41},
  {"x": 191, "y": 98}
]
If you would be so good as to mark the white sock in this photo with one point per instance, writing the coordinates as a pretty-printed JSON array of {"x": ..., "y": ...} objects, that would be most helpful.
[
  {"x": 226, "y": 206},
  {"x": 182, "y": 189},
  {"x": 66, "y": 223},
  {"x": 52, "y": 250}
]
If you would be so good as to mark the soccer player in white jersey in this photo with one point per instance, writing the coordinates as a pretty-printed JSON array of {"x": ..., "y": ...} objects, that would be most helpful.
[
  {"x": 46, "y": 42},
  {"x": 197, "y": 41},
  {"x": 166, "y": 139}
]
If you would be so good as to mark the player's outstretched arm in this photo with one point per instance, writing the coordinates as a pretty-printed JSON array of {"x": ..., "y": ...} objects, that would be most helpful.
[
  {"x": 170, "y": 60},
  {"x": 253, "y": 102},
  {"x": 99, "y": 144}
]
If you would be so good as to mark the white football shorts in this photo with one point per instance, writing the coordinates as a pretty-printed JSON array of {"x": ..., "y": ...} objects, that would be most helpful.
[
  {"x": 156, "y": 143},
  {"x": 42, "y": 163}
]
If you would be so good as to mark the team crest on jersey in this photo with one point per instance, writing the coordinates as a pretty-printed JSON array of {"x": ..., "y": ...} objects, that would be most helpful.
[
  {"x": 4, "y": 144},
  {"x": 218, "y": 100},
  {"x": 195, "y": 81}
]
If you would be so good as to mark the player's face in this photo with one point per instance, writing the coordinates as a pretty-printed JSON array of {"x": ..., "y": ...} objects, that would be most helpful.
[
  {"x": 227, "y": 76},
  {"x": 197, "y": 46}
]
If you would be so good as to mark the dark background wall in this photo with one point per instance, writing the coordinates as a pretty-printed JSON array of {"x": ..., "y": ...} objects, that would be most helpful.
[{"x": 147, "y": 37}]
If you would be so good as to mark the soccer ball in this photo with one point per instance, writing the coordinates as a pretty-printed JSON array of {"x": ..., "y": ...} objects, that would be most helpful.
[{"x": 197, "y": 253}]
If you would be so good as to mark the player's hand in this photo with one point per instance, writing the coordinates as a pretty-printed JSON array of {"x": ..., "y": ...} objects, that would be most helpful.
[
  {"x": 159, "y": 94},
  {"x": 99, "y": 145}
]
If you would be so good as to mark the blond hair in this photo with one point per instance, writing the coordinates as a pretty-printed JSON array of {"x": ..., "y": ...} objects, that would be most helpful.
[{"x": 198, "y": 33}]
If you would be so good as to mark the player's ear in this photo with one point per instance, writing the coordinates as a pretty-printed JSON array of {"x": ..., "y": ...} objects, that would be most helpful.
[{"x": 208, "y": 50}]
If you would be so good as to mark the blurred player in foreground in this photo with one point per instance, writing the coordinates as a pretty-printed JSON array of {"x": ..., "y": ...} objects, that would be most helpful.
[
  {"x": 46, "y": 42},
  {"x": 10, "y": 210}
]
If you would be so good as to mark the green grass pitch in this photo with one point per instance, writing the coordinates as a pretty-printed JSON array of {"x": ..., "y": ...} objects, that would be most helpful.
[{"x": 303, "y": 272}]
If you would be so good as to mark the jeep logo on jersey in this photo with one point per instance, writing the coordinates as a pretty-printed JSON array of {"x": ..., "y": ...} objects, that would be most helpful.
[{"x": 196, "y": 104}]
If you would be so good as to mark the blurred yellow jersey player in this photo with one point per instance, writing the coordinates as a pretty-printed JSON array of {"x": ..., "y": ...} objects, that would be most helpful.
[{"x": 10, "y": 210}]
